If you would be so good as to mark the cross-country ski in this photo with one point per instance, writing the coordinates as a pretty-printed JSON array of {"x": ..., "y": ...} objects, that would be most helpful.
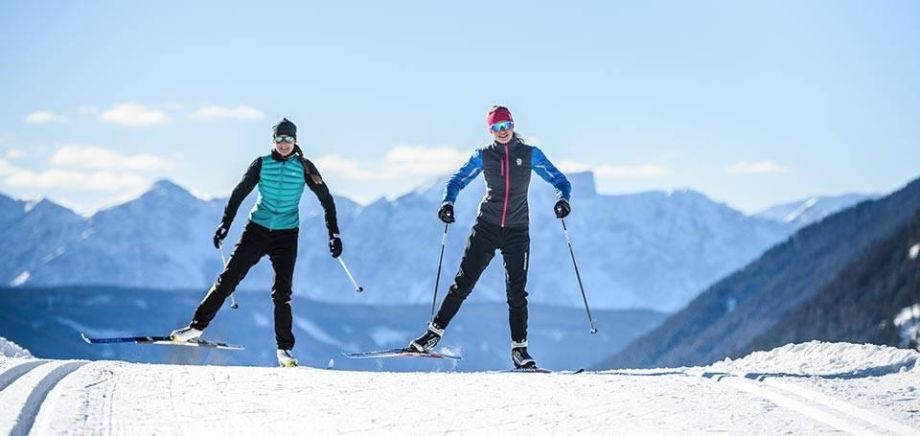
[
  {"x": 399, "y": 352},
  {"x": 160, "y": 340}
]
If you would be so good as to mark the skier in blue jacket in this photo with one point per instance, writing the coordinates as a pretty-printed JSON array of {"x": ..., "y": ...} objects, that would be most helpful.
[
  {"x": 502, "y": 223},
  {"x": 272, "y": 230}
]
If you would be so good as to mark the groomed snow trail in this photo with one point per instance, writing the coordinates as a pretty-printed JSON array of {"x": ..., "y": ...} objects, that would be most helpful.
[
  {"x": 123, "y": 398},
  {"x": 106, "y": 397},
  {"x": 833, "y": 412},
  {"x": 26, "y": 394}
]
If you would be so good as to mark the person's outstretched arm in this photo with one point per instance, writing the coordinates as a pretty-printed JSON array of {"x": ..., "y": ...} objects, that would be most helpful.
[
  {"x": 547, "y": 171},
  {"x": 457, "y": 182},
  {"x": 243, "y": 188},
  {"x": 463, "y": 177},
  {"x": 316, "y": 184}
]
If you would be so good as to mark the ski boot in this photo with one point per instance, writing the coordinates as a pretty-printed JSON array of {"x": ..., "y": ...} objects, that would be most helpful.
[
  {"x": 426, "y": 341},
  {"x": 286, "y": 359},
  {"x": 185, "y": 334},
  {"x": 521, "y": 357}
]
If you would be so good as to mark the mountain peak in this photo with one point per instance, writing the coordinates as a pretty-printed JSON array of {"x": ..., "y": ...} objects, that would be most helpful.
[
  {"x": 46, "y": 209},
  {"x": 167, "y": 189},
  {"x": 166, "y": 185},
  {"x": 811, "y": 209}
]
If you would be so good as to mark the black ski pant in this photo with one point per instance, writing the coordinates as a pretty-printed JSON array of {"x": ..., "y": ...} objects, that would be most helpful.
[
  {"x": 257, "y": 241},
  {"x": 514, "y": 244}
]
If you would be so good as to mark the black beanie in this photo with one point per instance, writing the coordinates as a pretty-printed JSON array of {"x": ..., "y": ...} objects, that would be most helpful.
[{"x": 284, "y": 127}]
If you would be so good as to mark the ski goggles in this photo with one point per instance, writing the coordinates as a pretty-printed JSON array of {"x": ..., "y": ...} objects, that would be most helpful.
[
  {"x": 504, "y": 125},
  {"x": 285, "y": 138}
]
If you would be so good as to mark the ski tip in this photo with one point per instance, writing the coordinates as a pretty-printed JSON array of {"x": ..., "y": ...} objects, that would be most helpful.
[{"x": 85, "y": 338}]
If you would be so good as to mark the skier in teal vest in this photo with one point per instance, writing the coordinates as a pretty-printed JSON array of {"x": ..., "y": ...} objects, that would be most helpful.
[{"x": 272, "y": 230}]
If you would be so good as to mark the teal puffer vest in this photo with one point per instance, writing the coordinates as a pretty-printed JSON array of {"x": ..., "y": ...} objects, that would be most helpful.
[{"x": 281, "y": 184}]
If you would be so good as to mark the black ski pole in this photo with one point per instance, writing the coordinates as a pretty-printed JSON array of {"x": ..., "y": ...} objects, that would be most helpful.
[
  {"x": 437, "y": 280},
  {"x": 223, "y": 259},
  {"x": 578, "y": 275}
]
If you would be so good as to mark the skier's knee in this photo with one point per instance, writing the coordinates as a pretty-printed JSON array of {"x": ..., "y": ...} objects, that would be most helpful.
[
  {"x": 460, "y": 291},
  {"x": 281, "y": 297},
  {"x": 517, "y": 299}
]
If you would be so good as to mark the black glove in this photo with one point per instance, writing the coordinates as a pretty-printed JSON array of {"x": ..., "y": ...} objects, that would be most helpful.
[
  {"x": 219, "y": 235},
  {"x": 335, "y": 245},
  {"x": 562, "y": 208},
  {"x": 446, "y": 213}
]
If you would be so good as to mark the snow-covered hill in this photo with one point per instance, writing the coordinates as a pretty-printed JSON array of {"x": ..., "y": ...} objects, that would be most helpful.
[
  {"x": 651, "y": 250},
  {"x": 812, "y": 209},
  {"x": 813, "y": 388},
  {"x": 9, "y": 348}
]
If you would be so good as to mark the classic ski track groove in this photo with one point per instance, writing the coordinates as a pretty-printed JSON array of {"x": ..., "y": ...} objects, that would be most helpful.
[
  {"x": 31, "y": 389},
  {"x": 836, "y": 413},
  {"x": 10, "y": 375},
  {"x": 843, "y": 407}
]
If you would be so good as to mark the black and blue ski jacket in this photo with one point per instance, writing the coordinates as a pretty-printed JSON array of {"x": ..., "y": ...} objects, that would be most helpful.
[{"x": 506, "y": 169}]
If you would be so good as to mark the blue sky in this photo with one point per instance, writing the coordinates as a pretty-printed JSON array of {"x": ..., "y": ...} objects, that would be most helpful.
[{"x": 749, "y": 104}]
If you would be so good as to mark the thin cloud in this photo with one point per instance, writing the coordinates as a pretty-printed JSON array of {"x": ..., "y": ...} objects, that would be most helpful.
[
  {"x": 134, "y": 115},
  {"x": 98, "y": 158},
  {"x": 75, "y": 180},
  {"x": 221, "y": 112},
  {"x": 343, "y": 167},
  {"x": 7, "y": 168},
  {"x": 86, "y": 168},
  {"x": 762, "y": 167},
  {"x": 401, "y": 162},
  {"x": 46, "y": 117},
  {"x": 616, "y": 171},
  {"x": 419, "y": 160},
  {"x": 14, "y": 153}
]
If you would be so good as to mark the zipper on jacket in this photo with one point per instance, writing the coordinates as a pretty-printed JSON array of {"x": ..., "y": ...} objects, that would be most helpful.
[{"x": 506, "y": 161}]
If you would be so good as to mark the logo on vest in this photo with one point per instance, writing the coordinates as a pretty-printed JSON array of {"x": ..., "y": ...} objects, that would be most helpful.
[{"x": 519, "y": 161}]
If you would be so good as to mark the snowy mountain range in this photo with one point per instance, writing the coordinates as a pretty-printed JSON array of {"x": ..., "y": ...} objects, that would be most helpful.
[
  {"x": 851, "y": 277},
  {"x": 653, "y": 250}
]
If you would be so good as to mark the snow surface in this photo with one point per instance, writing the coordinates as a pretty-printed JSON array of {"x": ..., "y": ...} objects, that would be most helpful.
[
  {"x": 815, "y": 388},
  {"x": 817, "y": 358},
  {"x": 9, "y": 348}
]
